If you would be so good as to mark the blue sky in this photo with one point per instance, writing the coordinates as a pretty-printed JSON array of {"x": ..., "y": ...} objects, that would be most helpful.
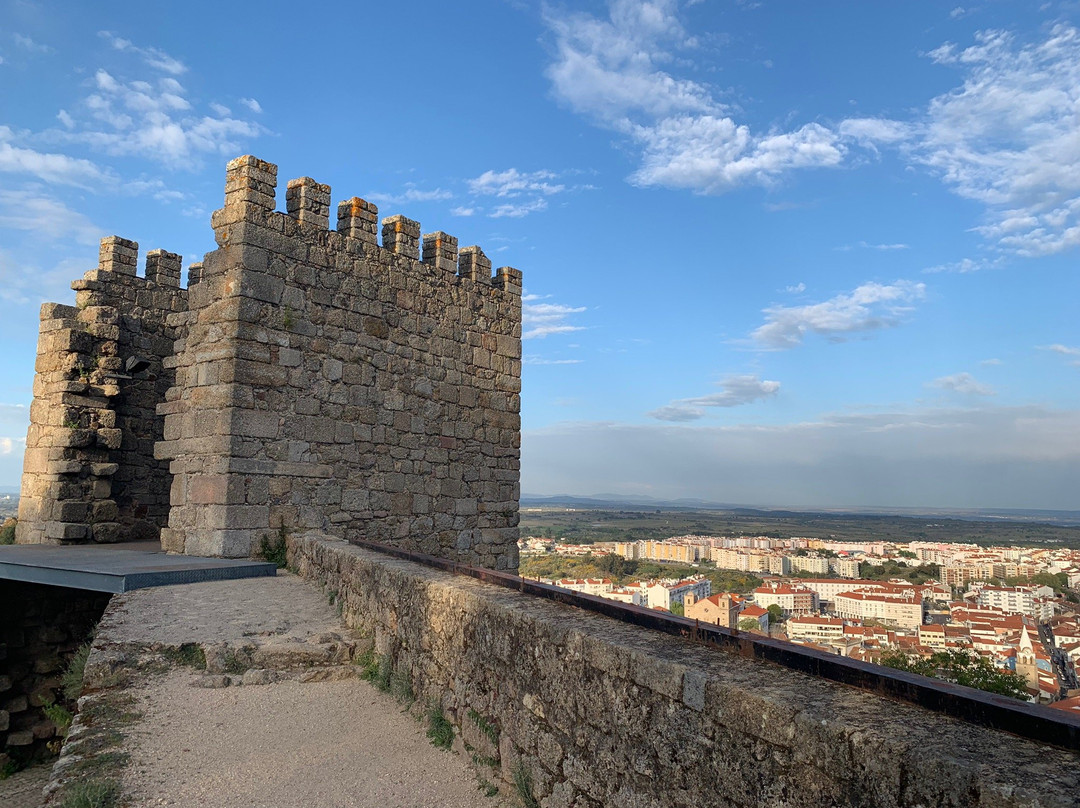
[{"x": 791, "y": 254}]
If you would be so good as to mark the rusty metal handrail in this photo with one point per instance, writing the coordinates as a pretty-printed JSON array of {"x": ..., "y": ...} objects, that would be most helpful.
[{"x": 1032, "y": 721}]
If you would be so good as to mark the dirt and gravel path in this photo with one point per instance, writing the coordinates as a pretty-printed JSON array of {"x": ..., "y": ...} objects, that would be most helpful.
[
  {"x": 267, "y": 711},
  {"x": 331, "y": 744},
  {"x": 23, "y": 789}
]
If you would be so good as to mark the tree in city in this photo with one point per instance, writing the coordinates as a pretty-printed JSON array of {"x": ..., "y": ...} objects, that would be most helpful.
[
  {"x": 749, "y": 624},
  {"x": 962, "y": 668},
  {"x": 775, "y": 613}
]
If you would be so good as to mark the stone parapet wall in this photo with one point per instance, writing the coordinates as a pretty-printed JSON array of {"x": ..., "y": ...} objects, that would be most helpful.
[
  {"x": 591, "y": 711},
  {"x": 325, "y": 382},
  {"x": 89, "y": 473}
]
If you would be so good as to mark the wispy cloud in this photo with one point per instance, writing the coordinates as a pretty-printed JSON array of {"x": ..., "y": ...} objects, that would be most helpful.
[
  {"x": 151, "y": 117},
  {"x": 734, "y": 391},
  {"x": 47, "y": 166},
  {"x": 252, "y": 104},
  {"x": 154, "y": 57},
  {"x": 27, "y": 44},
  {"x": 410, "y": 194},
  {"x": 539, "y": 360},
  {"x": 515, "y": 183},
  {"x": 868, "y": 307},
  {"x": 963, "y": 383},
  {"x": 541, "y": 320},
  {"x": 1064, "y": 350},
  {"x": 797, "y": 289},
  {"x": 990, "y": 362},
  {"x": 44, "y": 216},
  {"x": 516, "y": 210},
  {"x": 1006, "y": 137},
  {"x": 864, "y": 245}
]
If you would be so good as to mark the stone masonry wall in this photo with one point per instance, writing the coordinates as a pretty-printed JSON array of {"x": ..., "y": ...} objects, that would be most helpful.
[
  {"x": 41, "y": 627},
  {"x": 589, "y": 711},
  {"x": 89, "y": 472},
  {"x": 326, "y": 382}
]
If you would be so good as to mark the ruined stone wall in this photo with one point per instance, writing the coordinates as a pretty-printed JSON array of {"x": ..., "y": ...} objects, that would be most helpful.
[
  {"x": 89, "y": 472},
  {"x": 41, "y": 627},
  {"x": 594, "y": 712},
  {"x": 326, "y": 382}
]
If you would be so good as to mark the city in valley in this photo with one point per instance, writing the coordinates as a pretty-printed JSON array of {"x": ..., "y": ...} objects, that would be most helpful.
[{"x": 1004, "y": 618}]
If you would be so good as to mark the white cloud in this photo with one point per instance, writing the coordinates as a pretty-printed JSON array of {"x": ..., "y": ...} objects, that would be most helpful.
[
  {"x": 1006, "y": 137},
  {"x": 27, "y": 44},
  {"x": 963, "y": 266},
  {"x": 155, "y": 58},
  {"x": 614, "y": 71},
  {"x": 512, "y": 183},
  {"x": 410, "y": 194},
  {"x": 50, "y": 167},
  {"x": 796, "y": 289},
  {"x": 1023, "y": 457},
  {"x": 990, "y": 362},
  {"x": 541, "y": 320},
  {"x": 963, "y": 383},
  {"x": 868, "y": 307},
  {"x": 867, "y": 246},
  {"x": 7, "y": 445},
  {"x": 153, "y": 119},
  {"x": 462, "y": 211},
  {"x": 516, "y": 210},
  {"x": 734, "y": 391},
  {"x": 1064, "y": 350},
  {"x": 252, "y": 104},
  {"x": 44, "y": 216},
  {"x": 539, "y": 360}
]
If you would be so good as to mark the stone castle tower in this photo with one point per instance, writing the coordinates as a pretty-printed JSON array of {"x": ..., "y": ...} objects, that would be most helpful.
[{"x": 306, "y": 379}]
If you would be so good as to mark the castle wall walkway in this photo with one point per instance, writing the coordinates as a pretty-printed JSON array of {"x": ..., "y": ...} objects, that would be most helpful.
[
  {"x": 244, "y": 692},
  {"x": 592, "y": 711}
]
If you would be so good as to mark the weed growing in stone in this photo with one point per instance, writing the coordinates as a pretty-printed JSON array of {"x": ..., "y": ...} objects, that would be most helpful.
[
  {"x": 375, "y": 669},
  {"x": 274, "y": 549},
  {"x": 524, "y": 785},
  {"x": 189, "y": 654},
  {"x": 7, "y": 532},
  {"x": 59, "y": 715},
  {"x": 489, "y": 788},
  {"x": 72, "y": 680},
  {"x": 440, "y": 730},
  {"x": 92, "y": 794},
  {"x": 484, "y": 726},
  {"x": 401, "y": 687}
]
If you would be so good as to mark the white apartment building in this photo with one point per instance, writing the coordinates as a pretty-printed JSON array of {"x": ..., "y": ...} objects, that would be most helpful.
[
  {"x": 1033, "y": 601},
  {"x": 845, "y": 567},
  {"x": 634, "y": 597},
  {"x": 811, "y": 564},
  {"x": 900, "y": 610},
  {"x": 792, "y": 600},
  {"x": 588, "y": 586},
  {"x": 665, "y": 594},
  {"x": 815, "y": 629}
]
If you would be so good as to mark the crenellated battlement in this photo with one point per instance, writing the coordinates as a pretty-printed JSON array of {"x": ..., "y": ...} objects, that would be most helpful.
[{"x": 250, "y": 190}]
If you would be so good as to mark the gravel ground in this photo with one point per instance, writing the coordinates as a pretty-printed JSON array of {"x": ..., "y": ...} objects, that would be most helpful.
[
  {"x": 335, "y": 742},
  {"x": 23, "y": 789},
  {"x": 331, "y": 744}
]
